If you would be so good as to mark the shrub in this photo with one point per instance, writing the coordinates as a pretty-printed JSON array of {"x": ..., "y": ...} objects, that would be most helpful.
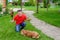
[
  {"x": 6, "y": 11},
  {"x": 59, "y": 3},
  {"x": 30, "y": 3},
  {"x": 9, "y": 5},
  {"x": 0, "y": 10},
  {"x": 15, "y": 3},
  {"x": 27, "y": 4}
]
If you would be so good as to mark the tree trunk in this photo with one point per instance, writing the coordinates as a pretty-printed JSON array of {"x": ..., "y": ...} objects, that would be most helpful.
[
  {"x": 4, "y": 3},
  {"x": 47, "y": 4},
  {"x": 21, "y": 4},
  {"x": 37, "y": 6}
]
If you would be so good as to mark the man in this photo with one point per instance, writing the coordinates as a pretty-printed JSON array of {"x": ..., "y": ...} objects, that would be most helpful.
[{"x": 20, "y": 18}]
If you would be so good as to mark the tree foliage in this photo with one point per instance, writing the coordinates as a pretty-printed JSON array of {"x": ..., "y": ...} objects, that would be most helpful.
[
  {"x": 19, "y": 2},
  {"x": 55, "y": 1},
  {"x": 32, "y": 2}
]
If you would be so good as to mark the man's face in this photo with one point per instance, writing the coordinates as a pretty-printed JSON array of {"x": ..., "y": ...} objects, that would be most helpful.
[{"x": 20, "y": 13}]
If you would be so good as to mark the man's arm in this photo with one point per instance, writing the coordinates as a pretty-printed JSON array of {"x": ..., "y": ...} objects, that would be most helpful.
[
  {"x": 28, "y": 19},
  {"x": 12, "y": 20}
]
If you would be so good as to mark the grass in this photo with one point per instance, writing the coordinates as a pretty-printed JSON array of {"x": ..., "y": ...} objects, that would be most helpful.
[
  {"x": 33, "y": 8},
  {"x": 7, "y": 30},
  {"x": 52, "y": 16},
  {"x": 13, "y": 6}
]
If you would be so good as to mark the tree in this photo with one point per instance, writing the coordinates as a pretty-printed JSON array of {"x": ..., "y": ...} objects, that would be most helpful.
[
  {"x": 32, "y": 2},
  {"x": 21, "y": 4},
  {"x": 46, "y": 2},
  {"x": 37, "y": 6},
  {"x": 0, "y": 7},
  {"x": 6, "y": 8},
  {"x": 6, "y": 2}
]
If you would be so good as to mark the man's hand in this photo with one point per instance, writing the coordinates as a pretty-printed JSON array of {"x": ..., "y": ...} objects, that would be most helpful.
[
  {"x": 28, "y": 19},
  {"x": 12, "y": 21}
]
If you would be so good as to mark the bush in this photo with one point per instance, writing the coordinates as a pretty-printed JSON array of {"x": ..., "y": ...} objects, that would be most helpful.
[
  {"x": 6, "y": 11},
  {"x": 32, "y": 2},
  {"x": 58, "y": 3},
  {"x": 48, "y": 5},
  {"x": 9, "y": 5},
  {"x": 15, "y": 3},
  {"x": 27, "y": 4},
  {"x": 0, "y": 10}
]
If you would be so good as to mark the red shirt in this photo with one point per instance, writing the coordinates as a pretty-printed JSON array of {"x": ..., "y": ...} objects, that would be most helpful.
[{"x": 20, "y": 19}]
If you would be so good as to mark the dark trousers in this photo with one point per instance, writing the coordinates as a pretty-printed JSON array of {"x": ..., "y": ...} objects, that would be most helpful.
[{"x": 21, "y": 26}]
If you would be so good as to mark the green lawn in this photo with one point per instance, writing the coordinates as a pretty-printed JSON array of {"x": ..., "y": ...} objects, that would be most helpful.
[
  {"x": 52, "y": 16},
  {"x": 7, "y": 30},
  {"x": 13, "y": 6},
  {"x": 33, "y": 8}
]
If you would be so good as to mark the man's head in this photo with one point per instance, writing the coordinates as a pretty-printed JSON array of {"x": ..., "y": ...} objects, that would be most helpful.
[{"x": 20, "y": 12}]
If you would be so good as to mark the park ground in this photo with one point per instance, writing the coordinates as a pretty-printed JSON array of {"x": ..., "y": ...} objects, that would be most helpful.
[{"x": 7, "y": 29}]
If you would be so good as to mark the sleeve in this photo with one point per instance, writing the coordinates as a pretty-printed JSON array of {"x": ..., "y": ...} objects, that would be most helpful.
[{"x": 25, "y": 17}]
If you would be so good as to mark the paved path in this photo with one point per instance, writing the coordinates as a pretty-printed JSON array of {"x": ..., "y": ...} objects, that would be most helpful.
[
  {"x": 16, "y": 9},
  {"x": 49, "y": 30}
]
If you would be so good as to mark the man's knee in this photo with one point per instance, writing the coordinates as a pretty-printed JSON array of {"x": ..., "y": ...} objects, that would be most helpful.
[
  {"x": 17, "y": 28},
  {"x": 23, "y": 24}
]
